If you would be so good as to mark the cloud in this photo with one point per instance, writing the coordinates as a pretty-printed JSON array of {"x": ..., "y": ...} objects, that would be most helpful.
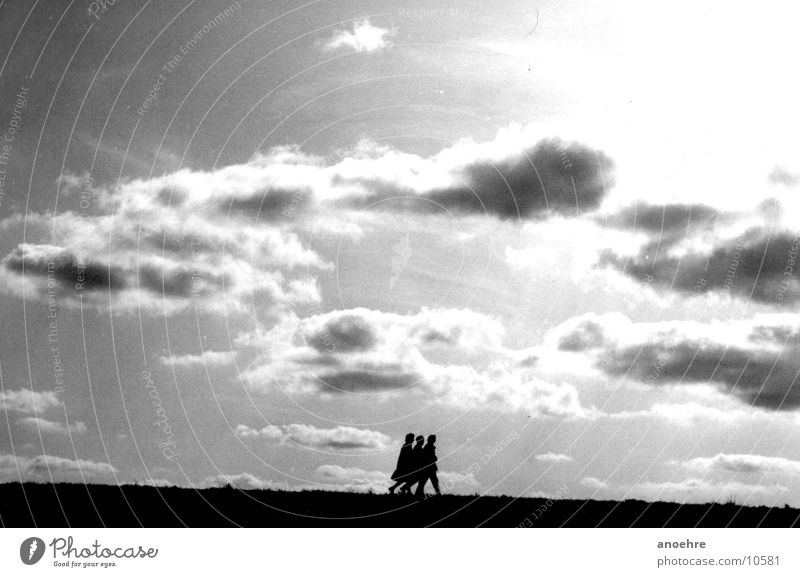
[
  {"x": 337, "y": 438},
  {"x": 451, "y": 481},
  {"x": 781, "y": 175},
  {"x": 243, "y": 482},
  {"x": 518, "y": 175},
  {"x": 689, "y": 414},
  {"x": 593, "y": 483},
  {"x": 39, "y": 469},
  {"x": 28, "y": 401},
  {"x": 587, "y": 331},
  {"x": 755, "y": 360},
  {"x": 155, "y": 483},
  {"x": 759, "y": 266},
  {"x": 695, "y": 249},
  {"x": 62, "y": 266},
  {"x": 665, "y": 220},
  {"x": 355, "y": 479},
  {"x": 224, "y": 239},
  {"x": 365, "y": 351},
  {"x": 206, "y": 358},
  {"x": 691, "y": 490},
  {"x": 164, "y": 244},
  {"x": 535, "y": 182},
  {"x": 336, "y": 478},
  {"x": 553, "y": 458},
  {"x": 364, "y": 37},
  {"x": 44, "y": 426},
  {"x": 748, "y": 464},
  {"x": 696, "y": 490}
]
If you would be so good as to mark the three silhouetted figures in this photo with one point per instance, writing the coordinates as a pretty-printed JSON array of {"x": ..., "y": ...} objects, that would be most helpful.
[{"x": 416, "y": 464}]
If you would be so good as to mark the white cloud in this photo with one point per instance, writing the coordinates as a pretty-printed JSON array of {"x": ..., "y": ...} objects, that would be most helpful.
[
  {"x": 364, "y": 37},
  {"x": 696, "y": 490},
  {"x": 355, "y": 479},
  {"x": 38, "y": 424},
  {"x": 337, "y": 438},
  {"x": 450, "y": 481},
  {"x": 151, "y": 482},
  {"x": 553, "y": 458},
  {"x": 173, "y": 244},
  {"x": 593, "y": 483},
  {"x": 743, "y": 463},
  {"x": 690, "y": 490},
  {"x": 337, "y": 478},
  {"x": 220, "y": 240},
  {"x": 366, "y": 351},
  {"x": 691, "y": 413},
  {"x": 242, "y": 481},
  {"x": 206, "y": 358},
  {"x": 28, "y": 401},
  {"x": 39, "y": 469}
]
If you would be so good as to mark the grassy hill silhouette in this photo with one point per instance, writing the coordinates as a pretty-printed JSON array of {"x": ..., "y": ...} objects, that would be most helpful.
[{"x": 77, "y": 505}]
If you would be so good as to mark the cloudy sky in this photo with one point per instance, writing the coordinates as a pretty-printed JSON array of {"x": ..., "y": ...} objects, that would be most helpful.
[{"x": 258, "y": 242}]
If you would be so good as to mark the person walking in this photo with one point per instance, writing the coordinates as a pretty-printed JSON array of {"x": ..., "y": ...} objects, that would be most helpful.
[
  {"x": 429, "y": 468},
  {"x": 416, "y": 465},
  {"x": 404, "y": 464}
]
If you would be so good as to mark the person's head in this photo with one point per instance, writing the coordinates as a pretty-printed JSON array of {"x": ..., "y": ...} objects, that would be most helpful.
[
  {"x": 409, "y": 438},
  {"x": 431, "y": 439},
  {"x": 420, "y": 439}
]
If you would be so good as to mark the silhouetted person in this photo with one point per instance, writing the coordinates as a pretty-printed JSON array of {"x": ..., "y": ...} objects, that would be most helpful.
[
  {"x": 415, "y": 465},
  {"x": 429, "y": 467},
  {"x": 404, "y": 470}
]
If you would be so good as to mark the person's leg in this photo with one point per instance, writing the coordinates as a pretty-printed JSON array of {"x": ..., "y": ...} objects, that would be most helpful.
[
  {"x": 421, "y": 487},
  {"x": 435, "y": 483},
  {"x": 407, "y": 483}
]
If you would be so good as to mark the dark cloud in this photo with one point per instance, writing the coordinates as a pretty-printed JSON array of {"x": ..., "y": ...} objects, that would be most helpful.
[
  {"x": 272, "y": 204},
  {"x": 181, "y": 282},
  {"x": 667, "y": 220},
  {"x": 65, "y": 268},
  {"x": 437, "y": 336},
  {"x": 347, "y": 445},
  {"x": 585, "y": 335},
  {"x": 344, "y": 334},
  {"x": 171, "y": 196},
  {"x": 760, "y": 264},
  {"x": 172, "y": 242},
  {"x": 175, "y": 283},
  {"x": 550, "y": 178},
  {"x": 757, "y": 362},
  {"x": 385, "y": 378},
  {"x": 762, "y": 378}
]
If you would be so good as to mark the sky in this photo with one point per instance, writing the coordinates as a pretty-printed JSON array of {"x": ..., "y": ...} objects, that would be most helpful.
[{"x": 256, "y": 243}]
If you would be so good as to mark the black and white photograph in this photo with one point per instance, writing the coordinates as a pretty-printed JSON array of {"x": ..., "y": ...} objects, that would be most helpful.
[{"x": 398, "y": 264}]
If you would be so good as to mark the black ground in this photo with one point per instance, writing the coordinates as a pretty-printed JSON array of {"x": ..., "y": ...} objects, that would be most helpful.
[{"x": 77, "y": 505}]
